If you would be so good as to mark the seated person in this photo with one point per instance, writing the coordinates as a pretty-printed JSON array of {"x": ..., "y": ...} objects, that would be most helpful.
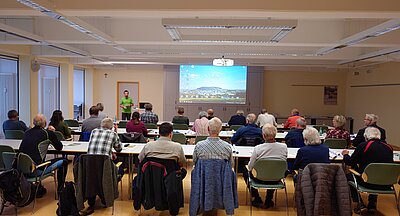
[
  {"x": 200, "y": 125},
  {"x": 135, "y": 125},
  {"x": 180, "y": 119},
  {"x": 338, "y": 132},
  {"x": 102, "y": 141},
  {"x": 101, "y": 115},
  {"x": 291, "y": 121},
  {"x": 265, "y": 118},
  {"x": 294, "y": 138},
  {"x": 148, "y": 116},
  {"x": 270, "y": 149},
  {"x": 370, "y": 120},
  {"x": 250, "y": 134},
  {"x": 93, "y": 121},
  {"x": 237, "y": 119},
  {"x": 30, "y": 145},
  {"x": 164, "y": 147},
  {"x": 210, "y": 114},
  {"x": 13, "y": 122},
  {"x": 374, "y": 150},
  {"x": 313, "y": 152},
  {"x": 57, "y": 121}
]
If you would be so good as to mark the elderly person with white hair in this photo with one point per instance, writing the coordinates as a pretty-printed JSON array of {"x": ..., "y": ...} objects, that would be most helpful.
[
  {"x": 269, "y": 149},
  {"x": 294, "y": 138},
  {"x": 370, "y": 120},
  {"x": 338, "y": 132},
  {"x": 373, "y": 150},
  {"x": 103, "y": 139},
  {"x": 312, "y": 152},
  {"x": 237, "y": 119},
  {"x": 33, "y": 141},
  {"x": 250, "y": 132},
  {"x": 200, "y": 125}
]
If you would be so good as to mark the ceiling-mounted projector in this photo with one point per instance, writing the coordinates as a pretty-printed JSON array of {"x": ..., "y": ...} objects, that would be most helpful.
[{"x": 223, "y": 62}]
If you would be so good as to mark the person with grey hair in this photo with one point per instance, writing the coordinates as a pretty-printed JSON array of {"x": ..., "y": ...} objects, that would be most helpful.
[
  {"x": 370, "y": 120},
  {"x": 373, "y": 150},
  {"x": 33, "y": 141},
  {"x": 101, "y": 115},
  {"x": 148, "y": 116},
  {"x": 213, "y": 147},
  {"x": 312, "y": 152},
  {"x": 200, "y": 125},
  {"x": 237, "y": 119},
  {"x": 180, "y": 118},
  {"x": 269, "y": 149},
  {"x": 338, "y": 132},
  {"x": 250, "y": 135},
  {"x": 265, "y": 118},
  {"x": 294, "y": 138}
]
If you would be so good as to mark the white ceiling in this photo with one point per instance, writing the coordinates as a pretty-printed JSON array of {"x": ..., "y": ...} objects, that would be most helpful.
[{"x": 123, "y": 31}]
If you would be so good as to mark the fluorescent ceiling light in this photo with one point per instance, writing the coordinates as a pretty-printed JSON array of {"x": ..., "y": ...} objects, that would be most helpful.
[
  {"x": 129, "y": 62},
  {"x": 172, "y": 26},
  {"x": 383, "y": 28},
  {"x": 372, "y": 55}
]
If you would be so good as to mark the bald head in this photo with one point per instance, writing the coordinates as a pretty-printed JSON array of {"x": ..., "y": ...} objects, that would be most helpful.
[
  {"x": 39, "y": 120},
  {"x": 251, "y": 118}
]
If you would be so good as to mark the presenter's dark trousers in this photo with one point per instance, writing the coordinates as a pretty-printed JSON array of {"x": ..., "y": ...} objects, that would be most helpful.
[{"x": 126, "y": 116}]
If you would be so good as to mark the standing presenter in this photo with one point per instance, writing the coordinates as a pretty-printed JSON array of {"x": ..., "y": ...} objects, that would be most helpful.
[{"x": 126, "y": 105}]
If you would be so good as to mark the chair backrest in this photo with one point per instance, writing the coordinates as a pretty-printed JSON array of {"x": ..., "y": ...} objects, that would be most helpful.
[
  {"x": 85, "y": 136},
  {"x": 71, "y": 122},
  {"x": 180, "y": 126},
  {"x": 59, "y": 135},
  {"x": 334, "y": 143},
  {"x": 150, "y": 126},
  {"x": 200, "y": 138},
  {"x": 322, "y": 128},
  {"x": 14, "y": 134},
  {"x": 180, "y": 138},
  {"x": 382, "y": 173},
  {"x": 25, "y": 163},
  {"x": 235, "y": 127},
  {"x": 4, "y": 148},
  {"x": 270, "y": 169},
  {"x": 122, "y": 124},
  {"x": 249, "y": 141}
]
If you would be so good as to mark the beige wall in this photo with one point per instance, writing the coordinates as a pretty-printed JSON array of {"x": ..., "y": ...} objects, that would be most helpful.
[
  {"x": 381, "y": 100},
  {"x": 281, "y": 94},
  {"x": 150, "y": 86}
]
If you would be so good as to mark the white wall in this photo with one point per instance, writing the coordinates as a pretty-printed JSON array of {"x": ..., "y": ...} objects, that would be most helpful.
[{"x": 150, "y": 80}]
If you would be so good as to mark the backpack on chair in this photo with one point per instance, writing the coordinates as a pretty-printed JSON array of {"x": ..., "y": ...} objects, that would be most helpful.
[
  {"x": 67, "y": 201},
  {"x": 16, "y": 189}
]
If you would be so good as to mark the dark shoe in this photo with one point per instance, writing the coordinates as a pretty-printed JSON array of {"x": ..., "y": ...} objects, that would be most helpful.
[
  {"x": 87, "y": 211},
  {"x": 41, "y": 191},
  {"x": 371, "y": 207},
  {"x": 269, "y": 204},
  {"x": 257, "y": 202},
  {"x": 360, "y": 209}
]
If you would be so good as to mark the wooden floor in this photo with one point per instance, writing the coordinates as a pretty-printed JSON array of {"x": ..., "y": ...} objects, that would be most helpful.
[{"x": 47, "y": 205}]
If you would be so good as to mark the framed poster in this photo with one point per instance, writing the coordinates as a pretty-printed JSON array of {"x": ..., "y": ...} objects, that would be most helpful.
[{"x": 330, "y": 95}]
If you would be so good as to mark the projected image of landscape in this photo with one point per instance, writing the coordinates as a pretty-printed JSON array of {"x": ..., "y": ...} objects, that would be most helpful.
[{"x": 211, "y": 84}]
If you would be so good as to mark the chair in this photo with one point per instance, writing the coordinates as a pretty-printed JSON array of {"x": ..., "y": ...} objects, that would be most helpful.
[
  {"x": 71, "y": 122},
  {"x": 4, "y": 148},
  {"x": 199, "y": 138},
  {"x": 334, "y": 143},
  {"x": 14, "y": 134},
  {"x": 85, "y": 136},
  {"x": 180, "y": 138},
  {"x": 235, "y": 127},
  {"x": 122, "y": 124},
  {"x": 59, "y": 135},
  {"x": 321, "y": 128},
  {"x": 269, "y": 170},
  {"x": 27, "y": 167},
  {"x": 180, "y": 126},
  {"x": 150, "y": 126},
  {"x": 378, "y": 174},
  {"x": 101, "y": 181}
]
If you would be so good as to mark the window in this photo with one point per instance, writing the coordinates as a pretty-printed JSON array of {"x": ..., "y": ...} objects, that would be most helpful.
[
  {"x": 8, "y": 87},
  {"x": 79, "y": 93},
  {"x": 49, "y": 90}
]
